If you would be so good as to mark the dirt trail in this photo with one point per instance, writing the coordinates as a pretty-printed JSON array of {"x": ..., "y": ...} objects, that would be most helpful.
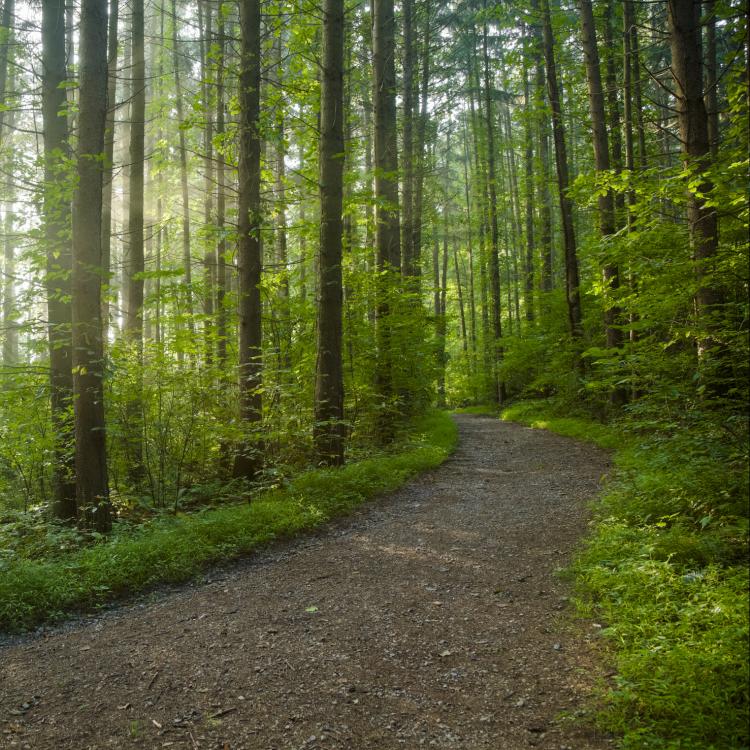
[{"x": 432, "y": 618}]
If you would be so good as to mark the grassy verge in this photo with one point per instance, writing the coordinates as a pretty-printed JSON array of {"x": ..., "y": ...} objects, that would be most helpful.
[
  {"x": 175, "y": 549},
  {"x": 665, "y": 570}
]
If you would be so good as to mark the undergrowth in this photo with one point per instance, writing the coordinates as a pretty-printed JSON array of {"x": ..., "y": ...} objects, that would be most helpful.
[
  {"x": 175, "y": 548},
  {"x": 665, "y": 570}
]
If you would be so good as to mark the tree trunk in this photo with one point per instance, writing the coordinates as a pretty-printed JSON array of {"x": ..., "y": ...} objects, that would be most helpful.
[
  {"x": 186, "y": 254},
  {"x": 57, "y": 226},
  {"x": 683, "y": 18},
  {"x": 92, "y": 493},
  {"x": 221, "y": 243},
  {"x": 10, "y": 340},
  {"x": 419, "y": 145},
  {"x": 134, "y": 313},
  {"x": 206, "y": 23},
  {"x": 249, "y": 250},
  {"x": 601, "y": 159},
  {"x": 328, "y": 433},
  {"x": 387, "y": 232},
  {"x": 572, "y": 283},
  {"x": 109, "y": 153},
  {"x": 712, "y": 104},
  {"x": 408, "y": 251},
  {"x": 529, "y": 196},
  {"x": 494, "y": 260}
]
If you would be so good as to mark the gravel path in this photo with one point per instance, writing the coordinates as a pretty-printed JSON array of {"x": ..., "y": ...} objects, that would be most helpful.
[{"x": 432, "y": 618}]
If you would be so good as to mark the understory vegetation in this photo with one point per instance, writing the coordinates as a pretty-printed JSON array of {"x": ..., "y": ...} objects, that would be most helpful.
[
  {"x": 49, "y": 570},
  {"x": 665, "y": 571}
]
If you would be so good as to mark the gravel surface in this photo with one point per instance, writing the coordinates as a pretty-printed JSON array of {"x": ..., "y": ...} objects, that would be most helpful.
[{"x": 431, "y": 618}]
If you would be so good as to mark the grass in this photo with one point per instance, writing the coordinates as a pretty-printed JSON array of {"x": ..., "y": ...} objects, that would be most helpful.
[
  {"x": 665, "y": 570},
  {"x": 174, "y": 549}
]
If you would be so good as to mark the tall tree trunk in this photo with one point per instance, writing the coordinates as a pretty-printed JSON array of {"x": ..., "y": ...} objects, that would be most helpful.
[
  {"x": 186, "y": 253},
  {"x": 249, "y": 250},
  {"x": 221, "y": 243},
  {"x": 494, "y": 260},
  {"x": 419, "y": 147},
  {"x": 10, "y": 340},
  {"x": 572, "y": 283},
  {"x": 280, "y": 230},
  {"x": 407, "y": 226},
  {"x": 683, "y": 18},
  {"x": 92, "y": 493},
  {"x": 134, "y": 312},
  {"x": 712, "y": 104},
  {"x": 470, "y": 246},
  {"x": 109, "y": 153},
  {"x": 57, "y": 226},
  {"x": 388, "y": 234},
  {"x": 328, "y": 431},
  {"x": 528, "y": 154},
  {"x": 205, "y": 16},
  {"x": 545, "y": 199},
  {"x": 601, "y": 159}
]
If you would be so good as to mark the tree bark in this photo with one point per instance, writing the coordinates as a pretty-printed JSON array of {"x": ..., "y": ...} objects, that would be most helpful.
[
  {"x": 136, "y": 257},
  {"x": 92, "y": 493},
  {"x": 186, "y": 252},
  {"x": 494, "y": 260},
  {"x": 419, "y": 146},
  {"x": 57, "y": 226},
  {"x": 529, "y": 196},
  {"x": 249, "y": 250},
  {"x": 387, "y": 231},
  {"x": 205, "y": 16},
  {"x": 328, "y": 433},
  {"x": 601, "y": 159},
  {"x": 221, "y": 243},
  {"x": 572, "y": 282},
  {"x": 408, "y": 266},
  {"x": 683, "y": 20},
  {"x": 109, "y": 153}
]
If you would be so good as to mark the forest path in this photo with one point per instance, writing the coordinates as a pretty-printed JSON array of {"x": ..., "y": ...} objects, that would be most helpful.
[{"x": 431, "y": 618}]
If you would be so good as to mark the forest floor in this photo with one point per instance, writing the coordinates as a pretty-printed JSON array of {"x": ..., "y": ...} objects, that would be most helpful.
[{"x": 433, "y": 617}]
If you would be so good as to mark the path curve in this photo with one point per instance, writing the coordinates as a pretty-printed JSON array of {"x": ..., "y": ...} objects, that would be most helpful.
[{"x": 432, "y": 618}]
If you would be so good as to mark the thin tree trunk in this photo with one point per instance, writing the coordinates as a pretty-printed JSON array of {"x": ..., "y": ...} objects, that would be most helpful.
[
  {"x": 545, "y": 198},
  {"x": 408, "y": 218},
  {"x": 92, "y": 493},
  {"x": 712, "y": 104},
  {"x": 249, "y": 250},
  {"x": 602, "y": 161},
  {"x": 10, "y": 340},
  {"x": 470, "y": 247},
  {"x": 494, "y": 261},
  {"x": 572, "y": 283},
  {"x": 328, "y": 431},
  {"x": 221, "y": 243},
  {"x": 206, "y": 22},
  {"x": 109, "y": 153},
  {"x": 134, "y": 312},
  {"x": 57, "y": 226},
  {"x": 529, "y": 196},
  {"x": 280, "y": 245},
  {"x": 419, "y": 147},
  {"x": 186, "y": 254}
]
